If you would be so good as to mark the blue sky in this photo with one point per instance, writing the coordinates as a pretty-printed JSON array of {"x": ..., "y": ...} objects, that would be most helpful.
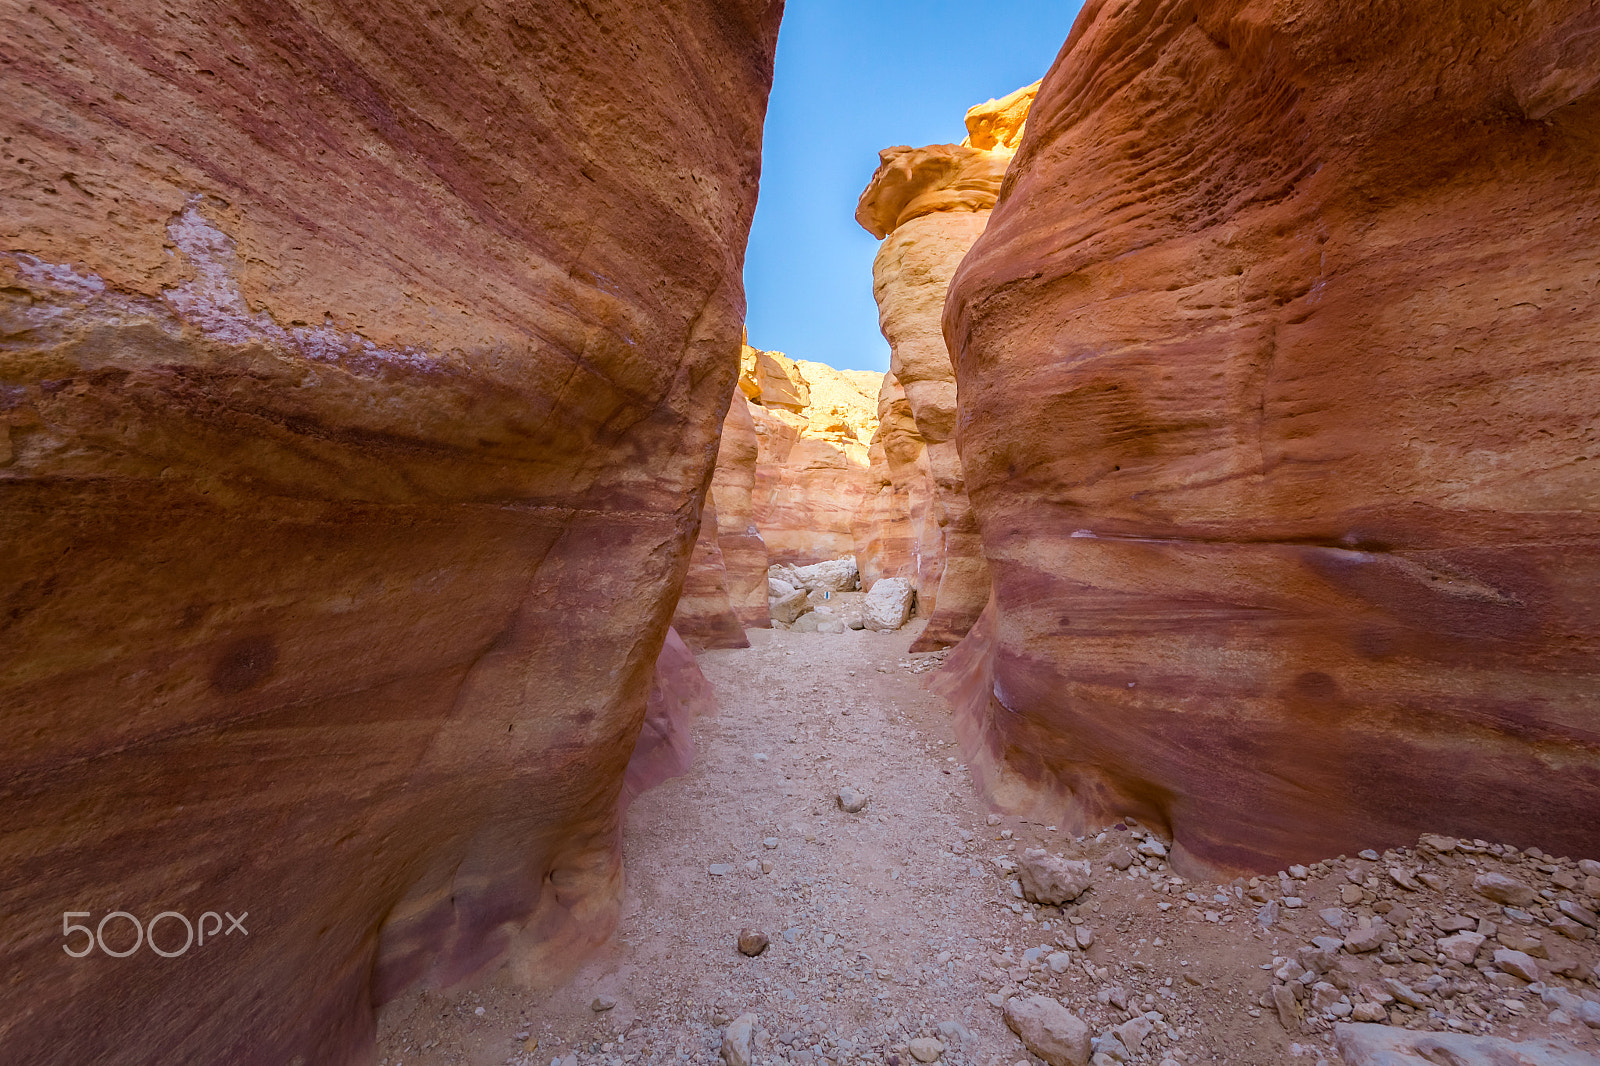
[{"x": 853, "y": 78}]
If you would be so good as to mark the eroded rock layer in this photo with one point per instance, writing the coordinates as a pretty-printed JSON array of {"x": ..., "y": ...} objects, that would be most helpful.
[
  {"x": 813, "y": 424},
  {"x": 929, "y": 205},
  {"x": 361, "y": 376},
  {"x": 1278, "y": 374},
  {"x": 744, "y": 552},
  {"x": 704, "y": 617}
]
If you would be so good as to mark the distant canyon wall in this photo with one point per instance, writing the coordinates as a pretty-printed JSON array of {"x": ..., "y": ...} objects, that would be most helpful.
[
  {"x": 725, "y": 590},
  {"x": 361, "y": 371},
  {"x": 813, "y": 425},
  {"x": 928, "y": 205},
  {"x": 1278, "y": 365}
]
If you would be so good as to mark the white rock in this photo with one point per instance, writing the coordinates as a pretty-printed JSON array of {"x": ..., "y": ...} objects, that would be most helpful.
[
  {"x": 788, "y": 608},
  {"x": 888, "y": 605},
  {"x": 925, "y": 1049},
  {"x": 834, "y": 575},
  {"x": 736, "y": 1040}
]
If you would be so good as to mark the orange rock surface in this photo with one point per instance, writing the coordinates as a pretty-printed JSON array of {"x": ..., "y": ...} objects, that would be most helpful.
[
  {"x": 360, "y": 381},
  {"x": 744, "y": 552},
  {"x": 726, "y": 587},
  {"x": 704, "y": 617},
  {"x": 1278, "y": 374},
  {"x": 895, "y": 533},
  {"x": 813, "y": 425},
  {"x": 929, "y": 205}
]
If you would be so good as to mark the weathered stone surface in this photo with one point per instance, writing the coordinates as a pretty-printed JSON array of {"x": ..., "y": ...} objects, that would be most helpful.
[
  {"x": 1277, "y": 377},
  {"x": 704, "y": 617},
  {"x": 361, "y": 368},
  {"x": 788, "y": 606},
  {"x": 1503, "y": 889},
  {"x": 812, "y": 470},
  {"x": 1463, "y": 947},
  {"x": 1383, "y": 1045},
  {"x": 930, "y": 205},
  {"x": 888, "y": 604},
  {"x": 744, "y": 553},
  {"x": 1049, "y": 1030},
  {"x": 1048, "y": 878},
  {"x": 896, "y": 529},
  {"x": 830, "y": 575},
  {"x": 736, "y": 1041}
]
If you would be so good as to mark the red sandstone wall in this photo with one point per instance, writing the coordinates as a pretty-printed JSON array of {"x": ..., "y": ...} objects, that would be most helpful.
[
  {"x": 1278, "y": 368},
  {"x": 361, "y": 378}
]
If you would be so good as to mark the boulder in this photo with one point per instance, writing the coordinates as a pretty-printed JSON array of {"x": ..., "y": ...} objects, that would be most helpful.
[
  {"x": 833, "y": 575},
  {"x": 737, "y": 1040},
  {"x": 888, "y": 605},
  {"x": 1051, "y": 879},
  {"x": 1049, "y": 1030},
  {"x": 789, "y": 606},
  {"x": 1383, "y": 1045},
  {"x": 1503, "y": 889}
]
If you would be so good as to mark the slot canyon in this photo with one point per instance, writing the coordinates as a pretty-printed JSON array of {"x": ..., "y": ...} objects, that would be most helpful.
[{"x": 435, "y": 633}]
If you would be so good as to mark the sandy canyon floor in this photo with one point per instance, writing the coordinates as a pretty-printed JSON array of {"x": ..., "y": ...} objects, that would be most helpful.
[{"x": 900, "y": 923}]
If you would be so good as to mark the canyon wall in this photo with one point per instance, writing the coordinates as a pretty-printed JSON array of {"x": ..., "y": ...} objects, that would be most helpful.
[
  {"x": 744, "y": 551},
  {"x": 929, "y": 205},
  {"x": 726, "y": 587},
  {"x": 1279, "y": 362},
  {"x": 361, "y": 371},
  {"x": 894, "y": 531},
  {"x": 813, "y": 425}
]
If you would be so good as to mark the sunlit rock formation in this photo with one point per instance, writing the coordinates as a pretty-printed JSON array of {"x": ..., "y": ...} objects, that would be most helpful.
[
  {"x": 813, "y": 424},
  {"x": 704, "y": 617},
  {"x": 895, "y": 518},
  {"x": 361, "y": 377},
  {"x": 726, "y": 587},
  {"x": 744, "y": 552},
  {"x": 930, "y": 204},
  {"x": 1278, "y": 372}
]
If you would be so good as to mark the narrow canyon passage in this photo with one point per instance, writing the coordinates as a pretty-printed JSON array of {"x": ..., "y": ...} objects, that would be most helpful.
[{"x": 902, "y": 922}]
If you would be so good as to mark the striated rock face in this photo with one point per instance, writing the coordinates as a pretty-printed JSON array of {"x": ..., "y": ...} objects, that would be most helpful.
[
  {"x": 894, "y": 530},
  {"x": 1278, "y": 370},
  {"x": 744, "y": 552},
  {"x": 360, "y": 373},
  {"x": 725, "y": 589},
  {"x": 813, "y": 425},
  {"x": 705, "y": 617},
  {"x": 930, "y": 204}
]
